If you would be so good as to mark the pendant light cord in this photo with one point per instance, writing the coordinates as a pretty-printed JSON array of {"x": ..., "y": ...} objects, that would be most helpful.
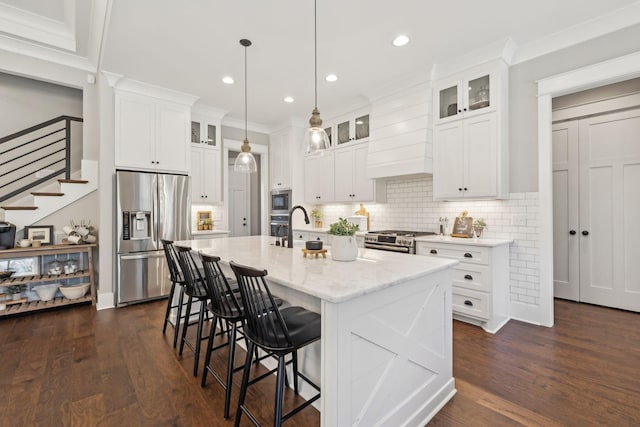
[
  {"x": 315, "y": 50},
  {"x": 245, "y": 93}
]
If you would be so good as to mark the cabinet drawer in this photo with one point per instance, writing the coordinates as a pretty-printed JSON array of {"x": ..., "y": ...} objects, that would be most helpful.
[
  {"x": 300, "y": 235},
  {"x": 463, "y": 253},
  {"x": 471, "y": 276},
  {"x": 318, "y": 236},
  {"x": 470, "y": 303}
]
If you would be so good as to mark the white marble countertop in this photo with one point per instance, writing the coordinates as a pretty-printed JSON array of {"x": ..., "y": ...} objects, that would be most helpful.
[
  {"x": 324, "y": 278},
  {"x": 464, "y": 241},
  {"x": 205, "y": 232}
]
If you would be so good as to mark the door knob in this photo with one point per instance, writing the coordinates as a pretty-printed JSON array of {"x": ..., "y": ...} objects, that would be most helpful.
[
  {"x": 585, "y": 233},
  {"x": 572, "y": 232}
]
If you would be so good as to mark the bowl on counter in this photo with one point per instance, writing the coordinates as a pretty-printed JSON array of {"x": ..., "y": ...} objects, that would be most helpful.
[
  {"x": 74, "y": 292},
  {"x": 46, "y": 292}
]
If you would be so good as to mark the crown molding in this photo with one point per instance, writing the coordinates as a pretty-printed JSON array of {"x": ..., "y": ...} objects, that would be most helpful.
[
  {"x": 208, "y": 111},
  {"x": 121, "y": 83},
  {"x": 45, "y": 53},
  {"x": 41, "y": 29},
  {"x": 239, "y": 124},
  {"x": 501, "y": 49},
  {"x": 588, "y": 30}
]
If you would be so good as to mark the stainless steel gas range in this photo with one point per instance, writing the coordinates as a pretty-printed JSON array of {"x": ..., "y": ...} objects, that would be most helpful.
[{"x": 394, "y": 240}]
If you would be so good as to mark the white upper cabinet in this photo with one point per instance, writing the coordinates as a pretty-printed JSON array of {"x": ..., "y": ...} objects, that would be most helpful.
[
  {"x": 150, "y": 133},
  {"x": 206, "y": 175},
  {"x": 466, "y": 96},
  {"x": 351, "y": 182},
  {"x": 205, "y": 131},
  {"x": 470, "y": 151},
  {"x": 319, "y": 178},
  {"x": 353, "y": 127},
  {"x": 280, "y": 144}
]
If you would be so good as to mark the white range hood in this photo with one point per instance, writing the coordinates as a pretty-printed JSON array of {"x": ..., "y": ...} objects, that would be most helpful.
[{"x": 400, "y": 142}]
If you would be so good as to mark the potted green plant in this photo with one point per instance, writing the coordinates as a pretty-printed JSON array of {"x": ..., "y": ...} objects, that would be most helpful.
[
  {"x": 343, "y": 241},
  {"x": 478, "y": 226},
  {"x": 317, "y": 217}
]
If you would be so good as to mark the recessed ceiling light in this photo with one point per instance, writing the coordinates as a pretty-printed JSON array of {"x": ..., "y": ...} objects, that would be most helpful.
[
  {"x": 400, "y": 40},
  {"x": 228, "y": 80},
  {"x": 331, "y": 78},
  {"x": 288, "y": 99}
]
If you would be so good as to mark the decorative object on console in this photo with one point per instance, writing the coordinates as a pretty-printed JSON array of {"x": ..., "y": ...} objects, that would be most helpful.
[
  {"x": 44, "y": 233},
  {"x": 245, "y": 162},
  {"x": 316, "y": 214},
  {"x": 363, "y": 212},
  {"x": 315, "y": 138},
  {"x": 462, "y": 226},
  {"x": 343, "y": 243},
  {"x": 204, "y": 219},
  {"x": 79, "y": 233},
  {"x": 478, "y": 226}
]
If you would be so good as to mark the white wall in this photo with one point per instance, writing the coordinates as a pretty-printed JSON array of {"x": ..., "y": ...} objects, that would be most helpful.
[{"x": 523, "y": 101}]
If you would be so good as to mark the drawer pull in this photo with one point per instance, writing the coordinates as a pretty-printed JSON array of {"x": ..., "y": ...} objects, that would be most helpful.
[
  {"x": 433, "y": 251},
  {"x": 468, "y": 277},
  {"x": 468, "y": 255},
  {"x": 468, "y": 302}
]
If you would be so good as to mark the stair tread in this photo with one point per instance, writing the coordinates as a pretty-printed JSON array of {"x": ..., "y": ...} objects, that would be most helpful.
[
  {"x": 19, "y": 208},
  {"x": 39, "y": 193},
  {"x": 73, "y": 181}
]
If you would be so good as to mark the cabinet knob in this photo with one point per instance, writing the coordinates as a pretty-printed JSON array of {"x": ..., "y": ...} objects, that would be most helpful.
[
  {"x": 572, "y": 232},
  {"x": 459, "y": 111},
  {"x": 464, "y": 109},
  {"x": 585, "y": 233},
  {"x": 465, "y": 188},
  {"x": 317, "y": 238},
  {"x": 459, "y": 188},
  {"x": 433, "y": 251},
  {"x": 468, "y": 277},
  {"x": 468, "y": 255},
  {"x": 468, "y": 302}
]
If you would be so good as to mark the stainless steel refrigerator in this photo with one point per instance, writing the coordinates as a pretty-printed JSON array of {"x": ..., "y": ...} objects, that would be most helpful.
[{"x": 150, "y": 207}]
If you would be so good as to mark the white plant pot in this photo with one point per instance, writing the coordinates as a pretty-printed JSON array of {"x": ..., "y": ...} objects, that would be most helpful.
[{"x": 344, "y": 248}]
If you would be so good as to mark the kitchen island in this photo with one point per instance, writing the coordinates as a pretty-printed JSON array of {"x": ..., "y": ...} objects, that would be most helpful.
[{"x": 385, "y": 357}]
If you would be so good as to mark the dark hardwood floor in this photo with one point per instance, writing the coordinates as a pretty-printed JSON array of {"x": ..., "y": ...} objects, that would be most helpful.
[{"x": 79, "y": 367}]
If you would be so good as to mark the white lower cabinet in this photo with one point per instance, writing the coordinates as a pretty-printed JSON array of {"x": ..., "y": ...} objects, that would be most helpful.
[{"x": 480, "y": 293}]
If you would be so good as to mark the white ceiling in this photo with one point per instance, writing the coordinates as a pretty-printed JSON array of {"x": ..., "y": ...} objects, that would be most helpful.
[{"x": 190, "y": 45}]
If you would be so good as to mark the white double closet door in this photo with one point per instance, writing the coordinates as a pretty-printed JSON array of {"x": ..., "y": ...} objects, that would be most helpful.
[{"x": 596, "y": 190}]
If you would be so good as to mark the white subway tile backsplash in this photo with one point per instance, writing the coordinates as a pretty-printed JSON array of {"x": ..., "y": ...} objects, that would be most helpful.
[{"x": 410, "y": 206}]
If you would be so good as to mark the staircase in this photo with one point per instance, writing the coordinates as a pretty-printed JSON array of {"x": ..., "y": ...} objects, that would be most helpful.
[
  {"x": 51, "y": 198},
  {"x": 30, "y": 160}
]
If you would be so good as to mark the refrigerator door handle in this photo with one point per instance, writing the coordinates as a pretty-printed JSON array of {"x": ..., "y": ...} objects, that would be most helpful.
[{"x": 142, "y": 256}]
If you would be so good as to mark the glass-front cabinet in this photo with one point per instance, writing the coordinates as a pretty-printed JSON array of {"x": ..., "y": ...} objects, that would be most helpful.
[
  {"x": 455, "y": 99},
  {"x": 352, "y": 128},
  {"x": 203, "y": 133}
]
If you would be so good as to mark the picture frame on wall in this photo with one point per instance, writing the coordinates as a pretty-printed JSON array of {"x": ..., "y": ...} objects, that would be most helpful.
[{"x": 44, "y": 233}]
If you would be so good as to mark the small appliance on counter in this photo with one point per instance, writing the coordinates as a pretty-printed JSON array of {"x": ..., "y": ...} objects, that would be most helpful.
[{"x": 7, "y": 235}]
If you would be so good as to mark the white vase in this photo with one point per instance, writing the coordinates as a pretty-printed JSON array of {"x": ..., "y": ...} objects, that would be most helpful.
[{"x": 344, "y": 248}]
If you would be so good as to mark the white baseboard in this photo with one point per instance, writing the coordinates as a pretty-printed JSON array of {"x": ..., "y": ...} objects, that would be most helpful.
[
  {"x": 105, "y": 300},
  {"x": 528, "y": 313}
]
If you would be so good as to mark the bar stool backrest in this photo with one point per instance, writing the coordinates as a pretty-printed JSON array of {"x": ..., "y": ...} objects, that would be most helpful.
[
  {"x": 193, "y": 282},
  {"x": 223, "y": 299},
  {"x": 172, "y": 261},
  {"x": 264, "y": 323}
]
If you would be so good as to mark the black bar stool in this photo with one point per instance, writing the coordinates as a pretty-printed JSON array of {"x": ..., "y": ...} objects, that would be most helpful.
[
  {"x": 274, "y": 330},
  {"x": 195, "y": 289},
  {"x": 177, "y": 283}
]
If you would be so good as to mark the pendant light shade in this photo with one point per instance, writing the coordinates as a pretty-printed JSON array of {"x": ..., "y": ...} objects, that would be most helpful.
[
  {"x": 315, "y": 138},
  {"x": 245, "y": 162}
]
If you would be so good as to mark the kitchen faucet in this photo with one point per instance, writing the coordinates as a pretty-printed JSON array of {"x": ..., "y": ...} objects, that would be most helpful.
[{"x": 306, "y": 220}]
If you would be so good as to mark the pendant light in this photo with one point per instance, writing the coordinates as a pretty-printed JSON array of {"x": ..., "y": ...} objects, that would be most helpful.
[
  {"x": 315, "y": 138},
  {"x": 245, "y": 162}
]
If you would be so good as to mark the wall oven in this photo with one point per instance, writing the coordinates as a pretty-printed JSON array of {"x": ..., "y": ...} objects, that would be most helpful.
[
  {"x": 280, "y": 202},
  {"x": 279, "y": 225}
]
